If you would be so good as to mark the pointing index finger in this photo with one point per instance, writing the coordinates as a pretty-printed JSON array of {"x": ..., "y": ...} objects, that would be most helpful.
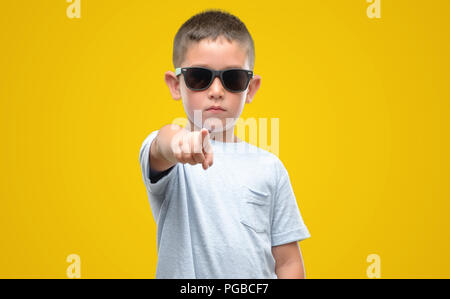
[{"x": 205, "y": 141}]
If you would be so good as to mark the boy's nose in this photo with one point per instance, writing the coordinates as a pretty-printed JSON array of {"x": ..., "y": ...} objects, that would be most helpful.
[{"x": 216, "y": 89}]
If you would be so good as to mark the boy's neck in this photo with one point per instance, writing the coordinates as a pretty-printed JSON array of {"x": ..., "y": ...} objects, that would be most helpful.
[{"x": 224, "y": 136}]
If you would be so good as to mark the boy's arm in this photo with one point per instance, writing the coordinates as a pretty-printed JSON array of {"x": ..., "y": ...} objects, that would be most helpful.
[{"x": 288, "y": 261}]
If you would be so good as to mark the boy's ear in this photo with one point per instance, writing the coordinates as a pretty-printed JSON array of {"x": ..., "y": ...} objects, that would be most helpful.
[
  {"x": 173, "y": 83},
  {"x": 253, "y": 87}
]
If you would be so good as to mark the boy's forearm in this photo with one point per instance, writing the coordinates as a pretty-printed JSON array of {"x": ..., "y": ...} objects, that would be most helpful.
[
  {"x": 161, "y": 156},
  {"x": 290, "y": 270}
]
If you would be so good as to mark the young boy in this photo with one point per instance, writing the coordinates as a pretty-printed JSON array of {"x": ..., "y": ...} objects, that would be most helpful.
[{"x": 223, "y": 207}]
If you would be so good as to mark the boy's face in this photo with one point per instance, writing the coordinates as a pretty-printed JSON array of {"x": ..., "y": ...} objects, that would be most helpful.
[{"x": 217, "y": 55}]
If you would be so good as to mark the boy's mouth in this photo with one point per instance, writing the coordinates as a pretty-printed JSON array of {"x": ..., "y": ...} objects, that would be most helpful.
[{"x": 215, "y": 108}]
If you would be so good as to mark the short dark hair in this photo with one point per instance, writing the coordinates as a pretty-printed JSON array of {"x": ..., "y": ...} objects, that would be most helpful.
[{"x": 211, "y": 24}]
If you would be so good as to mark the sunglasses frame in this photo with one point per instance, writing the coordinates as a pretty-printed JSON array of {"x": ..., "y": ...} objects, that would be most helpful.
[{"x": 215, "y": 73}]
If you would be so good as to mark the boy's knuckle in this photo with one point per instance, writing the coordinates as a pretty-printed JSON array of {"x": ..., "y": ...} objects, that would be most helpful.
[
  {"x": 201, "y": 158},
  {"x": 185, "y": 156}
]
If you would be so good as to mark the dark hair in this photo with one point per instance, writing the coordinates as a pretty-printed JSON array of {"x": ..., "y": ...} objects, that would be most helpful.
[{"x": 212, "y": 24}]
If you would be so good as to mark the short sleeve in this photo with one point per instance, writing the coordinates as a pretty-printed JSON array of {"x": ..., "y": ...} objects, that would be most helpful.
[
  {"x": 155, "y": 176},
  {"x": 287, "y": 222},
  {"x": 155, "y": 185}
]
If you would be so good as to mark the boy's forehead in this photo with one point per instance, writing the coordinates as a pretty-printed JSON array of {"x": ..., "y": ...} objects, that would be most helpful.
[{"x": 218, "y": 54}]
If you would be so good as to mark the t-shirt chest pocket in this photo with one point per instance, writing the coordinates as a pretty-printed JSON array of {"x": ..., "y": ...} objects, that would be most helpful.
[{"x": 255, "y": 209}]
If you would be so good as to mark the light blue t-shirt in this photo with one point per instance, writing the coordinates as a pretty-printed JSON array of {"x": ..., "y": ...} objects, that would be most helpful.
[{"x": 222, "y": 222}]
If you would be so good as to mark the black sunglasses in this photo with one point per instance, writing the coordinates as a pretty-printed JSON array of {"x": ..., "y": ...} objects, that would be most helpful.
[{"x": 200, "y": 78}]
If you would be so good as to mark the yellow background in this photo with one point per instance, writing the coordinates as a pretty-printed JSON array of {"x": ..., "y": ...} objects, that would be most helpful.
[{"x": 364, "y": 130}]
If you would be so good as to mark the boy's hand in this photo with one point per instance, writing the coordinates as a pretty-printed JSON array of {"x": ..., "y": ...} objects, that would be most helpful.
[{"x": 193, "y": 148}]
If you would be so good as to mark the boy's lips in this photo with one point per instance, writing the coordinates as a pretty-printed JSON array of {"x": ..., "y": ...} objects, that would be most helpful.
[{"x": 215, "y": 109}]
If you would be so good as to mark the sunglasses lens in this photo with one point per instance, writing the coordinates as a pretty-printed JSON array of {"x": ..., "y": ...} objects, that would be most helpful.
[
  {"x": 197, "y": 78},
  {"x": 236, "y": 80}
]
